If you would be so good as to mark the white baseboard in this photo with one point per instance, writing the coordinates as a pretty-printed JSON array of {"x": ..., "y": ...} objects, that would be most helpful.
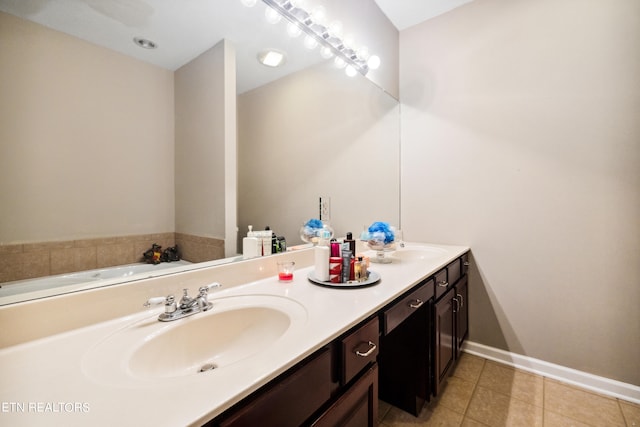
[{"x": 602, "y": 385}]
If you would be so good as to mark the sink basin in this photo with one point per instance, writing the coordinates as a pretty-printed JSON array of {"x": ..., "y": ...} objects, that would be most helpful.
[
  {"x": 235, "y": 329},
  {"x": 417, "y": 253}
]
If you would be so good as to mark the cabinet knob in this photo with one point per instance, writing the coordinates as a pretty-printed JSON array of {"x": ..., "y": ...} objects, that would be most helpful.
[
  {"x": 372, "y": 348},
  {"x": 417, "y": 303}
]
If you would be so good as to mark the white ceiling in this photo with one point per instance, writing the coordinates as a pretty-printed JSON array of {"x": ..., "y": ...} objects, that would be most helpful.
[
  {"x": 406, "y": 13},
  {"x": 183, "y": 29}
]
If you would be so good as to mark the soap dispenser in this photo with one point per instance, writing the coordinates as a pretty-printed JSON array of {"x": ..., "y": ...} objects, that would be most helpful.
[{"x": 251, "y": 245}]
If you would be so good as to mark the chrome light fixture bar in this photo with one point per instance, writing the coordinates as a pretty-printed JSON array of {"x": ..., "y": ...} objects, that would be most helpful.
[{"x": 303, "y": 20}]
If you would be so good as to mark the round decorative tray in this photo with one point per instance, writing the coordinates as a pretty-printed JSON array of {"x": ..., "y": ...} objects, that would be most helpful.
[{"x": 372, "y": 280}]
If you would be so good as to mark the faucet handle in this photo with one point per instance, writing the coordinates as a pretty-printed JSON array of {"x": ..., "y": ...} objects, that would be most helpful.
[
  {"x": 168, "y": 301},
  {"x": 156, "y": 301},
  {"x": 204, "y": 289}
]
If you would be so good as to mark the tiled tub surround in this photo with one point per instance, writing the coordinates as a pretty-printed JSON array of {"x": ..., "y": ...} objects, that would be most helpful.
[
  {"x": 31, "y": 260},
  {"x": 58, "y": 332}
]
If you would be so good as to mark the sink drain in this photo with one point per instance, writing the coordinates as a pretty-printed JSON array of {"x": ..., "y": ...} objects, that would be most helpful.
[{"x": 207, "y": 367}]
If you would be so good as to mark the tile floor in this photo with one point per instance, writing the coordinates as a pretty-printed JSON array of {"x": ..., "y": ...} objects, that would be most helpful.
[{"x": 484, "y": 393}]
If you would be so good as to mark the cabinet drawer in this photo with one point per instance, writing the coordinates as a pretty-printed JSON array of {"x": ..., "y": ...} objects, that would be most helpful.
[
  {"x": 359, "y": 348},
  {"x": 465, "y": 263},
  {"x": 288, "y": 402},
  {"x": 441, "y": 283},
  {"x": 453, "y": 271},
  {"x": 408, "y": 305}
]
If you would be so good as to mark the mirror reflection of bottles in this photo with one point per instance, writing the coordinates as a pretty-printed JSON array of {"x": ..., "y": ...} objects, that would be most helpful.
[
  {"x": 262, "y": 242},
  {"x": 252, "y": 244}
]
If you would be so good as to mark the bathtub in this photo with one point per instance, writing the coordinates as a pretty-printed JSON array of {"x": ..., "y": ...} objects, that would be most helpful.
[{"x": 62, "y": 283}]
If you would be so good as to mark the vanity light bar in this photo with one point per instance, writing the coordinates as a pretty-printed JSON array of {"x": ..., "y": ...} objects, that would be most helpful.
[{"x": 302, "y": 19}]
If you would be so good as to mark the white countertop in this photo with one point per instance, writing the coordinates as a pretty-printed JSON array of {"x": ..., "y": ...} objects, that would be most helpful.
[{"x": 44, "y": 382}]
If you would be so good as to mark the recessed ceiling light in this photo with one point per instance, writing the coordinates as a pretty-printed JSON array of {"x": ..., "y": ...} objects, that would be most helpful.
[
  {"x": 145, "y": 43},
  {"x": 271, "y": 58}
]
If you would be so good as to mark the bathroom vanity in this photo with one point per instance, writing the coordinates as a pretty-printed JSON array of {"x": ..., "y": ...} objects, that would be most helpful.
[{"x": 267, "y": 353}]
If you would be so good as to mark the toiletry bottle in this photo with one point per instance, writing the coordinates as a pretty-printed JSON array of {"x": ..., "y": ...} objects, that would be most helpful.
[
  {"x": 351, "y": 242},
  {"x": 251, "y": 245},
  {"x": 335, "y": 248},
  {"x": 266, "y": 241},
  {"x": 335, "y": 269},
  {"x": 282, "y": 244},
  {"x": 346, "y": 265},
  {"x": 321, "y": 255},
  {"x": 274, "y": 242},
  {"x": 360, "y": 270},
  {"x": 352, "y": 266}
]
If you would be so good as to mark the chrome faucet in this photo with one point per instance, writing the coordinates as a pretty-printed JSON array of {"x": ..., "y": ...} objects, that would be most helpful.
[{"x": 187, "y": 305}]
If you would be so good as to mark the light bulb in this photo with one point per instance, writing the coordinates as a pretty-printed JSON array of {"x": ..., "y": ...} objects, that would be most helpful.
[
  {"x": 293, "y": 30},
  {"x": 300, "y": 4},
  {"x": 249, "y": 3},
  {"x": 272, "y": 15},
  {"x": 319, "y": 15},
  {"x": 348, "y": 41},
  {"x": 335, "y": 29},
  {"x": 374, "y": 62},
  {"x": 350, "y": 71},
  {"x": 339, "y": 62},
  {"x": 326, "y": 52},
  {"x": 363, "y": 52},
  {"x": 310, "y": 43}
]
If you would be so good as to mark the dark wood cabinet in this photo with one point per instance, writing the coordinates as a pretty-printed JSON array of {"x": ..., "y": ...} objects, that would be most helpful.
[
  {"x": 444, "y": 336},
  {"x": 419, "y": 347},
  {"x": 451, "y": 321},
  {"x": 405, "y": 358}
]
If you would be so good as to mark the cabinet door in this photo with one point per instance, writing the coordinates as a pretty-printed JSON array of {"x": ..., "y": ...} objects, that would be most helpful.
[
  {"x": 462, "y": 312},
  {"x": 356, "y": 407},
  {"x": 444, "y": 338}
]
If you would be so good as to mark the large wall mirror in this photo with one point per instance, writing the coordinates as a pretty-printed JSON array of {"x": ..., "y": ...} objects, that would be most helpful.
[{"x": 90, "y": 139}]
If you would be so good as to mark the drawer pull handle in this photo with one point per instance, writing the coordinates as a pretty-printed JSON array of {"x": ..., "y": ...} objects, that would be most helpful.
[
  {"x": 443, "y": 284},
  {"x": 417, "y": 303},
  {"x": 372, "y": 348}
]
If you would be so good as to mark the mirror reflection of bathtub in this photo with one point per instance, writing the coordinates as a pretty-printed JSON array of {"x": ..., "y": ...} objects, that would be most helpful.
[
  {"x": 80, "y": 279},
  {"x": 41, "y": 287}
]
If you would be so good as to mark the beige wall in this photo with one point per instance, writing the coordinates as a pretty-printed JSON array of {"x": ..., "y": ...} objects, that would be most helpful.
[
  {"x": 86, "y": 139},
  {"x": 521, "y": 138},
  {"x": 317, "y": 133},
  {"x": 204, "y": 132}
]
